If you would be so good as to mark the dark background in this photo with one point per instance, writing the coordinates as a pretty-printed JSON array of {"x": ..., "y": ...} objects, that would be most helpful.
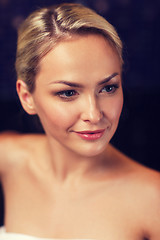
[{"x": 138, "y": 24}]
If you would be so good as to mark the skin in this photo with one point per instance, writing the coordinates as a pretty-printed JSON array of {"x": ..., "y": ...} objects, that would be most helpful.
[{"x": 65, "y": 186}]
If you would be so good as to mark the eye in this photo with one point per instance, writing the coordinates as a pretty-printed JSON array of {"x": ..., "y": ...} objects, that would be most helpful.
[
  {"x": 67, "y": 94},
  {"x": 110, "y": 88}
]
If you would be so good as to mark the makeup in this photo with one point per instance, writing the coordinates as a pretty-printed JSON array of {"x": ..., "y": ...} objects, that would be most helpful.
[{"x": 91, "y": 135}]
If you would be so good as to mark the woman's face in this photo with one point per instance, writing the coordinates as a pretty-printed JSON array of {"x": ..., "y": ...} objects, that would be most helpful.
[{"x": 78, "y": 94}]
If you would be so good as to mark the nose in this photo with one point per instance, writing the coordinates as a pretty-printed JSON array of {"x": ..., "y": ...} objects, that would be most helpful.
[{"x": 91, "y": 110}]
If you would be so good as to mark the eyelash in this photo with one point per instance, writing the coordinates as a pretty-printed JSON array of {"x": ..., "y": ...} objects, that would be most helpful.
[
  {"x": 63, "y": 94},
  {"x": 110, "y": 89}
]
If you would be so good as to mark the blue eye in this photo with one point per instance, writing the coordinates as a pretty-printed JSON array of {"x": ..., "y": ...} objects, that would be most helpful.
[
  {"x": 110, "y": 88},
  {"x": 67, "y": 93}
]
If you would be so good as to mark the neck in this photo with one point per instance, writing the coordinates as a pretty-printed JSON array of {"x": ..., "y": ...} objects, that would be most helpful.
[{"x": 67, "y": 164}]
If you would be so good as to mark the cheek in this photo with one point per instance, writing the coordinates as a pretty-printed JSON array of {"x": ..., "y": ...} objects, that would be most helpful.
[
  {"x": 118, "y": 104},
  {"x": 113, "y": 108},
  {"x": 57, "y": 115}
]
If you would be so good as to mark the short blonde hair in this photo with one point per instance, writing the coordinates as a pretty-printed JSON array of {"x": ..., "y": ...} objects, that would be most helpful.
[{"x": 44, "y": 28}]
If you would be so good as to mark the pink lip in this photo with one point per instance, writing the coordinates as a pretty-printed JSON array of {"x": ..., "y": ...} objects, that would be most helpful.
[{"x": 91, "y": 135}]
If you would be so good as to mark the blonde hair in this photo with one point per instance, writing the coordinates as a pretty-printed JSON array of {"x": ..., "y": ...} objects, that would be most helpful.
[{"x": 44, "y": 28}]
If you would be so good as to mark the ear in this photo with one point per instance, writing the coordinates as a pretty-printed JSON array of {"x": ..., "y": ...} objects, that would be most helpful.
[{"x": 25, "y": 97}]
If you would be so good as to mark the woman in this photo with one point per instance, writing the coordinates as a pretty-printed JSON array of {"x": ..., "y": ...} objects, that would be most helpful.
[{"x": 71, "y": 183}]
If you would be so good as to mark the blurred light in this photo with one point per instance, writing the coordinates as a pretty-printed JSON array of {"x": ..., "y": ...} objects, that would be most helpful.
[
  {"x": 4, "y": 2},
  {"x": 101, "y": 6},
  {"x": 16, "y": 21}
]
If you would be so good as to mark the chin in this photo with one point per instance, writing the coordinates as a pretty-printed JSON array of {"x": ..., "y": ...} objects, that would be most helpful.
[{"x": 92, "y": 151}]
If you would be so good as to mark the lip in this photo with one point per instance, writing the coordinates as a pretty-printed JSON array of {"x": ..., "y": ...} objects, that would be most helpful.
[{"x": 91, "y": 135}]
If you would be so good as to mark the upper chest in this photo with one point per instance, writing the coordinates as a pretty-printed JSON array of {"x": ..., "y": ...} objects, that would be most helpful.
[{"x": 100, "y": 213}]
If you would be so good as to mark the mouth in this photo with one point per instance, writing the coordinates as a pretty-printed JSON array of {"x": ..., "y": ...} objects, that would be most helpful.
[{"x": 91, "y": 135}]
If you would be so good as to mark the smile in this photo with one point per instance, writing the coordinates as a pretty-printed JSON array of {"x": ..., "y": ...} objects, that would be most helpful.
[{"x": 91, "y": 135}]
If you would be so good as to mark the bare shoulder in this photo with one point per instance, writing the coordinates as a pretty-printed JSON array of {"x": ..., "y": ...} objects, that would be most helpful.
[
  {"x": 136, "y": 171},
  {"x": 16, "y": 147},
  {"x": 141, "y": 188},
  {"x": 141, "y": 180},
  {"x": 146, "y": 194}
]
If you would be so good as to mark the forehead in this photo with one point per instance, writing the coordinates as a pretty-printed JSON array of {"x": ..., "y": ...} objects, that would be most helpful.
[{"x": 78, "y": 57}]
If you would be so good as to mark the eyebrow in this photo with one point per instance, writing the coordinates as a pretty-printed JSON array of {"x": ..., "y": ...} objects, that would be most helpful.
[
  {"x": 77, "y": 85},
  {"x": 108, "y": 78}
]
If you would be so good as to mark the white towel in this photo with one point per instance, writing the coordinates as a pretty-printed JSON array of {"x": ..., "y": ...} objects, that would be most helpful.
[{"x": 16, "y": 236}]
